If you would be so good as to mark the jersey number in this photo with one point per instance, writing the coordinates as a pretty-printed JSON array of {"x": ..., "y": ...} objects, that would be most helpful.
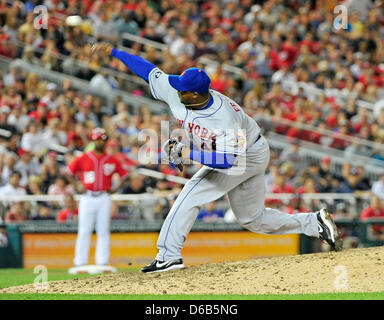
[{"x": 89, "y": 177}]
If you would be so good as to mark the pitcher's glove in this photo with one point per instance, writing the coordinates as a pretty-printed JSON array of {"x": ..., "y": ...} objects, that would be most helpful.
[{"x": 173, "y": 149}]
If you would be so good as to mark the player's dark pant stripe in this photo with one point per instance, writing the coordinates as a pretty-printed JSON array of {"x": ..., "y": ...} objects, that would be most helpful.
[{"x": 185, "y": 197}]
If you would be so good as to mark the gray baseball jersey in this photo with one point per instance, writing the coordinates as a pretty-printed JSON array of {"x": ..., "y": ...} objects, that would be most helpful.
[{"x": 223, "y": 127}]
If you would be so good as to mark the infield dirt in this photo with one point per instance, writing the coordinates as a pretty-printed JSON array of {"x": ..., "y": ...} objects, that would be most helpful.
[{"x": 353, "y": 270}]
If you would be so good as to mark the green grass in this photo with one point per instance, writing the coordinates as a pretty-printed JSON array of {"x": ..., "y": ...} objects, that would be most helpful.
[
  {"x": 15, "y": 277},
  {"x": 322, "y": 296}
]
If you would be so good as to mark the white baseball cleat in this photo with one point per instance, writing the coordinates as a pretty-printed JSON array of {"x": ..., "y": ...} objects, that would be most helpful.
[
  {"x": 328, "y": 230},
  {"x": 92, "y": 269}
]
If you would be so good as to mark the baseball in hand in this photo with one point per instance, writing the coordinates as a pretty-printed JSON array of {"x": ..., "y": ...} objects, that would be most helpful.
[{"x": 103, "y": 48}]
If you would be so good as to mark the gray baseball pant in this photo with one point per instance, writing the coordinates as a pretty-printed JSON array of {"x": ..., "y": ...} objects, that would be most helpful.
[{"x": 245, "y": 187}]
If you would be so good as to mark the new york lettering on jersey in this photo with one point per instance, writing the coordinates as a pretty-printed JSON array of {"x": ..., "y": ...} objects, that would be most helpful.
[{"x": 222, "y": 127}]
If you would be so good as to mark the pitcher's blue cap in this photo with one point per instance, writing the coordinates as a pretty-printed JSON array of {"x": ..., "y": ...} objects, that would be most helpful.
[{"x": 192, "y": 79}]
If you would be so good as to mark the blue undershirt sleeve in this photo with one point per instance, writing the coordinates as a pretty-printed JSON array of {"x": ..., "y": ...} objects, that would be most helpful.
[
  {"x": 213, "y": 159},
  {"x": 136, "y": 64}
]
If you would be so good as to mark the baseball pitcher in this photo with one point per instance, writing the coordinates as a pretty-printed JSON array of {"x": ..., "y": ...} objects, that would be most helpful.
[{"x": 235, "y": 156}]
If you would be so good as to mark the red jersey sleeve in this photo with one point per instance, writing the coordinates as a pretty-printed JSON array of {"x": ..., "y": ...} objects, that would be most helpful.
[
  {"x": 120, "y": 169},
  {"x": 74, "y": 166}
]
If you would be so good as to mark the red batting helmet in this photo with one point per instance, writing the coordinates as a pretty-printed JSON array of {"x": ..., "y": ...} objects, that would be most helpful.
[{"x": 98, "y": 133}]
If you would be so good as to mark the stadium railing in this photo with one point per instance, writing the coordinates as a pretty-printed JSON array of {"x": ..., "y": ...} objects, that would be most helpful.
[{"x": 367, "y": 239}]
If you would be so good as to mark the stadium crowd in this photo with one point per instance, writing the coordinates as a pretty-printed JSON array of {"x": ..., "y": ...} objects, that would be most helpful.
[{"x": 284, "y": 51}]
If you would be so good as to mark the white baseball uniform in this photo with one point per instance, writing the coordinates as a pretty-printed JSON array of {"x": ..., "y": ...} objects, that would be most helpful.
[
  {"x": 222, "y": 127},
  {"x": 95, "y": 205}
]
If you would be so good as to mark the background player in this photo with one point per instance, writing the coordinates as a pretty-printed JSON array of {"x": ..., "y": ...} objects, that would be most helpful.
[
  {"x": 234, "y": 163},
  {"x": 96, "y": 169}
]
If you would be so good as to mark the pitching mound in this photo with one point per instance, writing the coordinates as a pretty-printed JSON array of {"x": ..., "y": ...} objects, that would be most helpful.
[{"x": 354, "y": 270}]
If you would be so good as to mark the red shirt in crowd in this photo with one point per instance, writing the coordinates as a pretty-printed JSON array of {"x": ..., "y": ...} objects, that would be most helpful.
[
  {"x": 373, "y": 213},
  {"x": 96, "y": 171},
  {"x": 292, "y": 209},
  {"x": 66, "y": 215},
  {"x": 302, "y": 190},
  {"x": 287, "y": 188}
]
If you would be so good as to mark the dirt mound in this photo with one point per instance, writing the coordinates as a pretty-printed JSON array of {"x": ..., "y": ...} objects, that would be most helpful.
[{"x": 354, "y": 270}]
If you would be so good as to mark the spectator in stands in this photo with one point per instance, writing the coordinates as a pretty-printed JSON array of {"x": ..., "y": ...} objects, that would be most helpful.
[
  {"x": 375, "y": 210},
  {"x": 135, "y": 185},
  {"x": 104, "y": 28},
  {"x": 29, "y": 55},
  {"x": 100, "y": 82},
  {"x": 210, "y": 214},
  {"x": 7, "y": 47},
  {"x": 44, "y": 212},
  {"x": 61, "y": 186},
  {"x": 85, "y": 113},
  {"x": 35, "y": 185},
  {"x": 16, "y": 213},
  {"x": 8, "y": 168},
  {"x": 53, "y": 135},
  {"x": 342, "y": 211},
  {"x": 40, "y": 114},
  {"x": 325, "y": 174},
  {"x": 3, "y": 237},
  {"x": 280, "y": 184},
  {"x": 12, "y": 188},
  {"x": 291, "y": 154},
  {"x": 353, "y": 182},
  {"x": 313, "y": 170},
  {"x": 27, "y": 165},
  {"x": 309, "y": 186},
  {"x": 18, "y": 118},
  {"x": 50, "y": 170},
  {"x": 289, "y": 171},
  {"x": 31, "y": 139},
  {"x": 50, "y": 98},
  {"x": 70, "y": 212},
  {"x": 127, "y": 24},
  {"x": 77, "y": 138},
  {"x": 270, "y": 176},
  {"x": 10, "y": 78},
  {"x": 365, "y": 181},
  {"x": 378, "y": 187}
]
